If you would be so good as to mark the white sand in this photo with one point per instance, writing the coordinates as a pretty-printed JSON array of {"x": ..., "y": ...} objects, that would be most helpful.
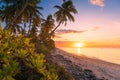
[{"x": 100, "y": 68}]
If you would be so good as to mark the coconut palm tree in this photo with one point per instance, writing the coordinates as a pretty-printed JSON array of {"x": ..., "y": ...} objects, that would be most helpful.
[
  {"x": 46, "y": 27},
  {"x": 20, "y": 12},
  {"x": 64, "y": 13},
  {"x": 7, "y": 11},
  {"x": 32, "y": 16}
]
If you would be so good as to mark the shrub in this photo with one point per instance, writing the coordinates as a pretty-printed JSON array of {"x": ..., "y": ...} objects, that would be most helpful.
[{"x": 19, "y": 61}]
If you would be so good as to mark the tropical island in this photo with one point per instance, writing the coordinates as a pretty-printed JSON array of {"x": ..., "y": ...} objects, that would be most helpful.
[{"x": 28, "y": 50}]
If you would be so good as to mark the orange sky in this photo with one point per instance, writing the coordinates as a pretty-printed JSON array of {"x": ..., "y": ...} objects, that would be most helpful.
[
  {"x": 97, "y": 24},
  {"x": 87, "y": 44}
]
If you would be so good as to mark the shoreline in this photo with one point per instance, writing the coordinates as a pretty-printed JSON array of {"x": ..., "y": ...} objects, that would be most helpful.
[{"x": 102, "y": 69}]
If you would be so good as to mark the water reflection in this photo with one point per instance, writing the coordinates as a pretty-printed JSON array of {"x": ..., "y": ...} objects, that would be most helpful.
[{"x": 79, "y": 51}]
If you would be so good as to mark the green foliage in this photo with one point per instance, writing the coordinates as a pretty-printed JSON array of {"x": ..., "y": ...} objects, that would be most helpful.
[
  {"x": 8, "y": 66},
  {"x": 43, "y": 49},
  {"x": 19, "y": 61},
  {"x": 36, "y": 62},
  {"x": 60, "y": 70},
  {"x": 16, "y": 13},
  {"x": 18, "y": 55},
  {"x": 45, "y": 43},
  {"x": 46, "y": 27},
  {"x": 50, "y": 44},
  {"x": 63, "y": 74}
]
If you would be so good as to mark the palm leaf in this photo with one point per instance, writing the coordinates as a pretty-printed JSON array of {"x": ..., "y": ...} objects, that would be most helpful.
[{"x": 58, "y": 7}]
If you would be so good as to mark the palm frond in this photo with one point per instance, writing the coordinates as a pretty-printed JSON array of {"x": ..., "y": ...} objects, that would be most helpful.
[{"x": 58, "y": 7}]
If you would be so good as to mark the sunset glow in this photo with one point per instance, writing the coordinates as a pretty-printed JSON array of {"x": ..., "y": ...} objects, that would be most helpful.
[
  {"x": 79, "y": 45},
  {"x": 60, "y": 39},
  {"x": 97, "y": 24},
  {"x": 79, "y": 50}
]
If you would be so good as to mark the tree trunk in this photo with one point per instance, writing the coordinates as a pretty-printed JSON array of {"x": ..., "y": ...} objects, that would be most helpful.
[
  {"x": 29, "y": 27},
  {"x": 24, "y": 25},
  {"x": 12, "y": 21},
  {"x": 55, "y": 28}
]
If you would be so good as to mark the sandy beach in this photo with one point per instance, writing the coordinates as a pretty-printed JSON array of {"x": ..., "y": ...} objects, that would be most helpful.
[{"x": 75, "y": 64}]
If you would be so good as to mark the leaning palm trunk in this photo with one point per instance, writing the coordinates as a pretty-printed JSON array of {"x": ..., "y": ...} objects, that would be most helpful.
[
  {"x": 55, "y": 28},
  {"x": 15, "y": 18}
]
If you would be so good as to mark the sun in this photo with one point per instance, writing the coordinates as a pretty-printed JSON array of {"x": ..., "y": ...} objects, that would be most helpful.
[{"x": 79, "y": 45}]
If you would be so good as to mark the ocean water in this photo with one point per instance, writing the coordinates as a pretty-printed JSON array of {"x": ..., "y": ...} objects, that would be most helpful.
[{"x": 107, "y": 54}]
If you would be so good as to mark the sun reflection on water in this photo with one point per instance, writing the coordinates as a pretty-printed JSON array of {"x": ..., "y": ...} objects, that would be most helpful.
[{"x": 79, "y": 50}]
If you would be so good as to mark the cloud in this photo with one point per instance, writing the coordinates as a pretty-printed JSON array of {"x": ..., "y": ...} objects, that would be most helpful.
[
  {"x": 99, "y": 3},
  {"x": 116, "y": 22},
  {"x": 56, "y": 36},
  {"x": 63, "y": 31},
  {"x": 118, "y": 39},
  {"x": 60, "y": 32},
  {"x": 95, "y": 28}
]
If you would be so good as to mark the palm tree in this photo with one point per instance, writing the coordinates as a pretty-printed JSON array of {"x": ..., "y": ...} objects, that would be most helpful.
[
  {"x": 64, "y": 13},
  {"x": 0, "y": 24},
  {"x": 18, "y": 7},
  {"x": 20, "y": 12},
  {"x": 32, "y": 15},
  {"x": 47, "y": 26},
  {"x": 7, "y": 11}
]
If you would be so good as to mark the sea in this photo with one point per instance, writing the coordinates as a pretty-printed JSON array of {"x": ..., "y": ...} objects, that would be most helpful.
[{"x": 107, "y": 54}]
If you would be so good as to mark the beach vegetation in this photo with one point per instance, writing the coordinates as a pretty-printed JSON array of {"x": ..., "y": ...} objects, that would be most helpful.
[{"x": 26, "y": 40}]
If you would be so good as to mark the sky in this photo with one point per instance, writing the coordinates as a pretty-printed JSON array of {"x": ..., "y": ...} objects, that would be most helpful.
[{"x": 97, "y": 21}]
